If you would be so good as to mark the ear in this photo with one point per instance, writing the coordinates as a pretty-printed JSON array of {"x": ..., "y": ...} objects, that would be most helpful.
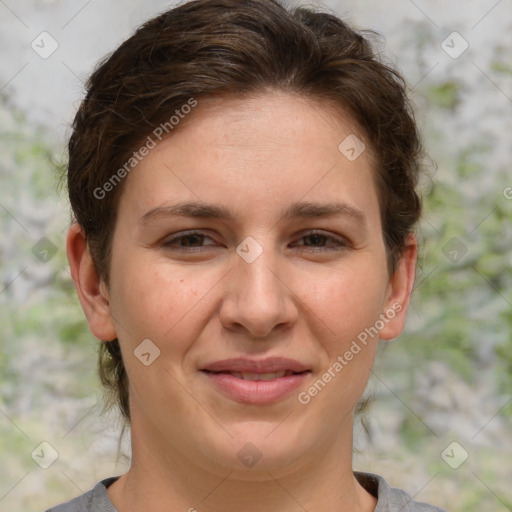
[
  {"x": 91, "y": 289},
  {"x": 399, "y": 291}
]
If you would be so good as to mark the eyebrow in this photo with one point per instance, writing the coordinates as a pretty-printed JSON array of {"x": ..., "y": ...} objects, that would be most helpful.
[{"x": 300, "y": 210}]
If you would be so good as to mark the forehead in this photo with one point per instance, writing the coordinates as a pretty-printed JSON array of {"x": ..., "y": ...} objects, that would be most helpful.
[{"x": 265, "y": 149}]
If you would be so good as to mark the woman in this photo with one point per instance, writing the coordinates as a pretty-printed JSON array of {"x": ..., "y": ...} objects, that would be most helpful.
[{"x": 243, "y": 184}]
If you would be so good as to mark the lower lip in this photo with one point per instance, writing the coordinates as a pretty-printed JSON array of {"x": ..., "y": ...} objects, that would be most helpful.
[{"x": 256, "y": 392}]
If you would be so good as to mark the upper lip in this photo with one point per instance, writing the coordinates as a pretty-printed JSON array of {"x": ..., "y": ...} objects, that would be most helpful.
[{"x": 269, "y": 365}]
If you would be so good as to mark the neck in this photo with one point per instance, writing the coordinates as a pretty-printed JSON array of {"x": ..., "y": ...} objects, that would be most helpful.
[{"x": 159, "y": 480}]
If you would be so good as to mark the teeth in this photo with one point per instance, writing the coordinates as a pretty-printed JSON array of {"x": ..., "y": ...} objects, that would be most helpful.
[{"x": 260, "y": 376}]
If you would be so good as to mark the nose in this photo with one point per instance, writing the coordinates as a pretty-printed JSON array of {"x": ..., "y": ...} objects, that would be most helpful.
[{"x": 258, "y": 297}]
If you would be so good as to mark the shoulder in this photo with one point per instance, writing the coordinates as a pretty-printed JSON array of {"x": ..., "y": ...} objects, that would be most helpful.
[
  {"x": 94, "y": 500},
  {"x": 390, "y": 499}
]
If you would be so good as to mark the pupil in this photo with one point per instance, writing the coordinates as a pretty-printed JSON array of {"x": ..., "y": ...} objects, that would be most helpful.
[
  {"x": 316, "y": 238},
  {"x": 191, "y": 237}
]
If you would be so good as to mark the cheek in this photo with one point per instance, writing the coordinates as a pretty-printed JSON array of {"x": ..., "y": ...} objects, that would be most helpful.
[
  {"x": 346, "y": 302},
  {"x": 347, "y": 307},
  {"x": 158, "y": 304}
]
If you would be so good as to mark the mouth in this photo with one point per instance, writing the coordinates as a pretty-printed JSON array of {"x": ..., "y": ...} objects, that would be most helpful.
[
  {"x": 256, "y": 382},
  {"x": 270, "y": 365},
  {"x": 259, "y": 376}
]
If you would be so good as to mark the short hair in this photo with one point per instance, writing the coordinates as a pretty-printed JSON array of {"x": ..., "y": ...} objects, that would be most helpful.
[{"x": 223, "y": 48}]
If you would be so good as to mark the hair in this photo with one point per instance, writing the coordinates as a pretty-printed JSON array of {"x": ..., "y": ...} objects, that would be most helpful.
[{"x": 222, "y": 48}]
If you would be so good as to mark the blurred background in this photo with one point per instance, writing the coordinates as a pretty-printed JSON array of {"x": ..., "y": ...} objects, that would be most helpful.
[{"x": 439, "y": 414}]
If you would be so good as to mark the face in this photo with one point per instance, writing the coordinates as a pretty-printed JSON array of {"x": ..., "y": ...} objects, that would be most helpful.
[{"x": 261, "y": 295}]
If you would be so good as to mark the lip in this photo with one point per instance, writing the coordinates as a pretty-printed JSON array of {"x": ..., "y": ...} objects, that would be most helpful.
[
  {"x": 259, "y": 392},
  {"x": 269, "y": 365}
]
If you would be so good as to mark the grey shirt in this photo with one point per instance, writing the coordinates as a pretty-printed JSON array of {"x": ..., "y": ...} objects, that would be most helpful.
[{"x": 389, "y": 499}]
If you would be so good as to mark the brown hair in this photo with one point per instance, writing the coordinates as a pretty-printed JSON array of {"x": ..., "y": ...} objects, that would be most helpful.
[{"x": 214, "y": 48}]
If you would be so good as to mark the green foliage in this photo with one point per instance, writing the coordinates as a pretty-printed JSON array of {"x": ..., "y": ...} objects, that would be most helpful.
[
  {"x": 461, "y": 310},
  {"x": 504, "y": 354},
  {"x": 445, "y": 95},
  {"x": 413, "y": 432},
  {"x": 501, "y": 61}
]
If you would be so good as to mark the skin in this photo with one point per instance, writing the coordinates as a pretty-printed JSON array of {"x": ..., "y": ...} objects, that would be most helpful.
[{"x": 255, "y": 156}]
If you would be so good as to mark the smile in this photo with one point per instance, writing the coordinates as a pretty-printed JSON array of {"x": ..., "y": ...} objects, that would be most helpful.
[
  {"x": 261, "y": 376},
  {"x": 256, "y": 388}
]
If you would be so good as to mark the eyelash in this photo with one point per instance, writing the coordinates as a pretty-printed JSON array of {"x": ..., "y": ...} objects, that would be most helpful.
[{"x": 342, "y": 244}]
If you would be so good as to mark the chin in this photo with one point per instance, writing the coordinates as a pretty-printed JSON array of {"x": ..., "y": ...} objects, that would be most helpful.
[{"x": 260, "y": 448}]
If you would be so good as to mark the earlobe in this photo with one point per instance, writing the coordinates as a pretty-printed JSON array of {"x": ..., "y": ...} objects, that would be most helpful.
[
  {"x": 91, "y": 289},
  {"x": 400, "y": 289}
]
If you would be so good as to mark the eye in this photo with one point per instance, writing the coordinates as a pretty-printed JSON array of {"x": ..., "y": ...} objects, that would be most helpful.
[
  {"x": 191, "y": 241},
  {"x": 322, "y": 242},
  {"x": 195, "y": 241}
]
